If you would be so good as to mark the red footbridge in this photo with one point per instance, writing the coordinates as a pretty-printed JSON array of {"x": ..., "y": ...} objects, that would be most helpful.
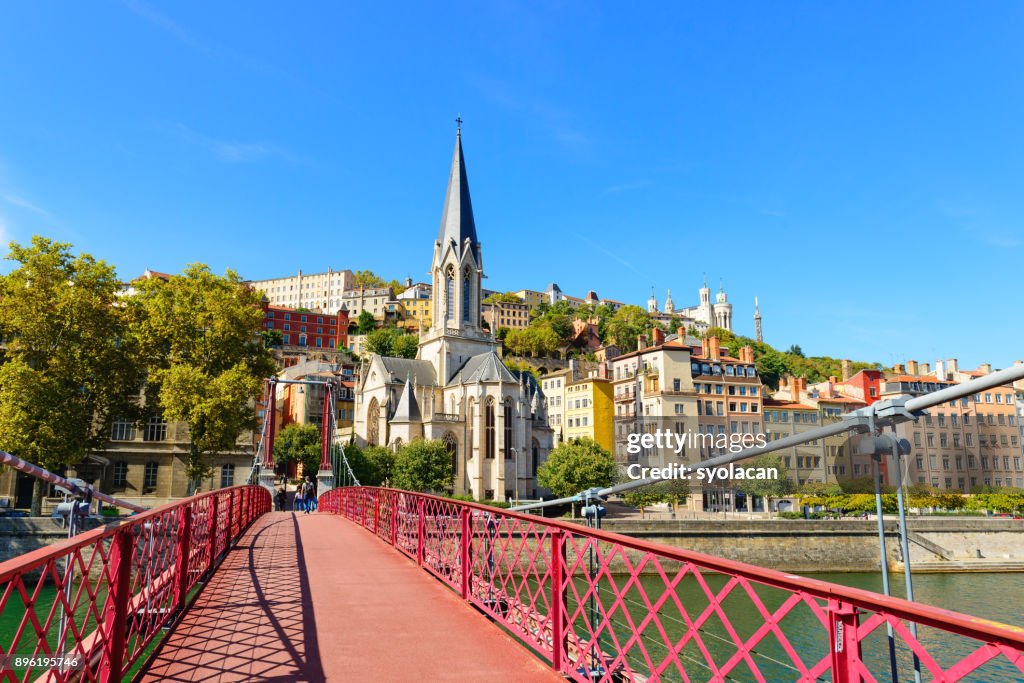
[{"x": 387, "y": 585}]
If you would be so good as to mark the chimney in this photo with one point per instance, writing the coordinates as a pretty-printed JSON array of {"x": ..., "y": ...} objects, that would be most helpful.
[
  {"x": 899, "y": 369},
  {"x": 659, "y": 336},
  {"x": 572, "y": 370},
  {"x": 705, "y": 347},
  {"x": 747, "y": 354},
  {"x": 913, "y": 368},
  {"x": 803, "y": 384},
  {"x": 602, "y": 370},
  {"x": 681, "y": 331},
  {"x": 847, "y": 369},
  {"x": 953, "y": 367},
  {"x": 794, "y": 389},
  {"x": 716, "y": 350},
  {"x": 832, "y": 380},
  {"x": 985, "y": 368},
  {"x": 940, "y": 369},
  {"x": 641, "y": 342}
]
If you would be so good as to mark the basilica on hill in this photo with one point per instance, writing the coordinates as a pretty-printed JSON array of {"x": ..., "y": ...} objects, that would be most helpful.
[{"x": 458, "y": 389}]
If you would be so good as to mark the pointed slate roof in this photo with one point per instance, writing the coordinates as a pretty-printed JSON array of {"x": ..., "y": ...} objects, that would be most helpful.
[
  {"x": 407, "y": 409},
  {"x": 457, "y": 216},
  {"x": 400, "y": 369},
  {"x": 485, "y": 367}
]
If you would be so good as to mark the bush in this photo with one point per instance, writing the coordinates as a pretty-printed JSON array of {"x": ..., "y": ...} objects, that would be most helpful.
[{"x": 791, "y": 515}]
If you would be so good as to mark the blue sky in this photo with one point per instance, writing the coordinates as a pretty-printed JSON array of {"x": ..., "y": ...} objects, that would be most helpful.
[{"x": 859, "y": 167}]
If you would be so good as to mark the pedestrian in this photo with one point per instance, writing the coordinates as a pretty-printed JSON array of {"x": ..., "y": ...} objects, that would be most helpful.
[
  {"x": 280, "y": 498},
  {"x": 297, "y": 504},
  {"x": 307, "y": 495}
]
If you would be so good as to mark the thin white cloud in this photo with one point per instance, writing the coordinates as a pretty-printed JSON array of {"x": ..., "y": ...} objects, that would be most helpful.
[
  {"x": 22, "y": 203},
  {"x": 608, "y": 253},
  {"x": 1002, "y": 240},
  {"x": 236, "y": 152},
  {"x": 626, "y": 187}
]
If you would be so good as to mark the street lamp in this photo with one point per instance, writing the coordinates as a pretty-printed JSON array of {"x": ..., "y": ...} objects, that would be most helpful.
[{"x": 516, "y": 454}]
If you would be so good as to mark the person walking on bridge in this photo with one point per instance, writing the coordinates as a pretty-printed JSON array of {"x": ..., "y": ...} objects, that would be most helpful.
[{"x": 298, "y": 503}]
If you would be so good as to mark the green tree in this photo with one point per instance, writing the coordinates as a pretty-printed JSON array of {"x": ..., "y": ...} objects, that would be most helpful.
[
  {"x": 206, "y": 361},
  {"x": 502, "y": 298},
  {"x": 272, "y": 338},
  {"x": 626, "y": 324},
  {"x": 365, "y": 323},
  {"x": 389, "y": 341},
  {"x": 424, "y": 465},
  {"x": 367, "y": 279},
  {"x": 301, "y": 444},
  {"x": 575, "y": 466},
  {"x": 767, "y": 488},
  {"x": 644, "y": 497},
  {"x": 795, "y": 350},
  {"x": 68, "y": 367}
]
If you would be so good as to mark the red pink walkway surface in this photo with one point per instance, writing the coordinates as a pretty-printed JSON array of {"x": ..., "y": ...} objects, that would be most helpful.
[{"x": 315, "y": 598}]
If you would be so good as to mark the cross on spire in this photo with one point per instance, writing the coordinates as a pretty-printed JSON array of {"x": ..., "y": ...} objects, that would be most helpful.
[{"x": 458, "y": 123}]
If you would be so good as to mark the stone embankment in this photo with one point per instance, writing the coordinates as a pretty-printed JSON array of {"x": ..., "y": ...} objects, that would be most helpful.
[{"x": 936, "y": 544}]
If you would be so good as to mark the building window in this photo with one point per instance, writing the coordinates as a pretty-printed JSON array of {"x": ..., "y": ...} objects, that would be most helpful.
[
  {"x": 156, "y": 429},
  {"x": 120, "y": 475},
  {"x": 122, "y": 430},
  {"x": 227, "y": 476},
  {"x": 489, "y": 430},
  {"x": 508, "y": 430},
  {"x": 149, "y": 477},
  {"x": 465, "y": 296},
  {"x": 449, "y": 313}
]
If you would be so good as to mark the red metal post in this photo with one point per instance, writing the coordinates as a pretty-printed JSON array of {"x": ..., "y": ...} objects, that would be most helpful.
[
  {"x": 211, "y": 536},
  {"x": 325, "y": 436},
  {"x": 843, "y": 644},
  {"x": 268, "y": 445},
  {"x": 420, "y": 533},
  {"x": 376, "y": 510},
  {"x": 230, "y": 533},
  {"x": 184, "y": 548},
  {"x": 394, "y": 517},
  {"x": 115, "y": 618},
  {"x": 464, "y": 547},
  {"x": 557, "y": 599}
]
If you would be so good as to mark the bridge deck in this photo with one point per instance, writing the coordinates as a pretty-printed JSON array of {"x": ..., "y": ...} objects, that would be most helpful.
[{"x": 314, "y": 598}]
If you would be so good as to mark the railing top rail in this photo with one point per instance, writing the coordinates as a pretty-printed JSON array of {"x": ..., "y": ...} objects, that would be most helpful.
[
  {"x": 963, "y": 624},
  {"x": 37, "y": 558}
]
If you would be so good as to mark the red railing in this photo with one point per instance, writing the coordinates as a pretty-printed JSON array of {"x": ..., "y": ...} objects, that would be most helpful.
[
  {"x": 605, "y": 607},
  {"x": 86, "y": 609}
]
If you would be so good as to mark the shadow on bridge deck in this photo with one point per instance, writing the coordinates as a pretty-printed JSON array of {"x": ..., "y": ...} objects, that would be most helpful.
[{"x": 315, "y": 598}]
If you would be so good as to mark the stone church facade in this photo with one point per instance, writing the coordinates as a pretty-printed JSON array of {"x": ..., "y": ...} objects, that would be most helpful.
[{"x": 458, "y": 389}]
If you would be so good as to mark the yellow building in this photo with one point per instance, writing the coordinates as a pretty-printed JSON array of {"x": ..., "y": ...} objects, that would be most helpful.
[
  {"x": 418, "y": 306},
  {"x": 588, "y": 411},
  {"x": 531, "y": 297}
]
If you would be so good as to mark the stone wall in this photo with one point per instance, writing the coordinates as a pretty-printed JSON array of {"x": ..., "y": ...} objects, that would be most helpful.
[
  {"x": 20, "y": 535},
  {"x": 829, "y": 546}
]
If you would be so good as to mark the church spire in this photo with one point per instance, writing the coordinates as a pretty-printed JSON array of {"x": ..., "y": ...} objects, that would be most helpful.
[
  {"x": 757, "y": 321},
  {"x": 457, "y": 216}
]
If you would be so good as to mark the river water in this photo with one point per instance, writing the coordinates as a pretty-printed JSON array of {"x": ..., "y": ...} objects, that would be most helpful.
[{"x": 994, "y": 596}]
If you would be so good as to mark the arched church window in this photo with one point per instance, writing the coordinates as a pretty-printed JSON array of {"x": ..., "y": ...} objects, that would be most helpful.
[
  {"x": 449, "y": 304},
  {"x": 465, "y": 296},
  {"x": 373, "y": 423},
  {"x": 452, "y": 446},
  {"x": 508, "y": 428},
  {"x": 534, "y": 456},
  {"x": 489, "y": 430}
]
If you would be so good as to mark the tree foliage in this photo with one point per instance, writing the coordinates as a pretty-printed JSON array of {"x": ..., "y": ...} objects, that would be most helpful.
[
  {"x": 365, "y": 323},
  {"x": 626, "y": 324},
  {"x": 536, "y": 340},
  {"x": 424, "y": 465},
  {"x": 575, "y": 466},
  {"x": 390, "y": 341},
  {"x": 299, "y": 443},
  {"x": 502, "y": 298},
  {"x": 767, "y": 488},
  {"x": 68, "y": 366},
  {"x": 199, "y": 334}
]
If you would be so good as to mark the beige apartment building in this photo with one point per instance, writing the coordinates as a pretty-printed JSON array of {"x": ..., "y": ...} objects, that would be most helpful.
[
  {"x": 372, "y": 299},
  {"x": 320, "y": 292},
  {"x": 962, "y": 444},
  {"x": 553, "y": 386},
  {"x": 513, "y": 315}
]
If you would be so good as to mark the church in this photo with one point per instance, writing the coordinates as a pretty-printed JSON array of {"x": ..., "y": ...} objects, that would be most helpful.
[{"x": 458, "y": 389}]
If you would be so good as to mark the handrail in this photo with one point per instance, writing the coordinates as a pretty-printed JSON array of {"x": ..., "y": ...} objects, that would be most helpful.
[
  {"x": 117, "y": 586},
  {"x": 512, "y": 578}
]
